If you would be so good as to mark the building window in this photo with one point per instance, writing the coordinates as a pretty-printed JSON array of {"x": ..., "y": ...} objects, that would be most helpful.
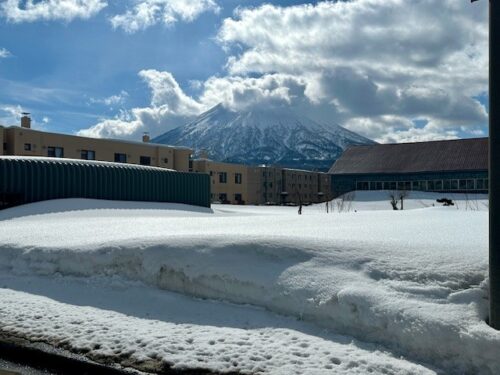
[
  {"x": 446, "y": 185},
  {"x": 238, "y": 198},
  {"x": 223, "y": 198},
  {"x": 222, "y": 177},
  {"x": 5, "y": 146},
  {"x": 55, "y": 152},
  {"x": 120, "y": 158},
  {"x": 237, "y": 178},
  {"x": 454, "y": 184},
  {"x": 438, "y": 185},
  {"x": 165, "y": 160},
  {"x": 27, "y": 147},
  {"x": 462, "y": 184},
  {"x": 480, "y": 184},
  {"x": 88, "y": 155},
  {"x": 470, "y": 184},
  {"x": 145, "y": 160},
  {"x": 362, "y": 185},
  {"x": 404, "y": 185}
]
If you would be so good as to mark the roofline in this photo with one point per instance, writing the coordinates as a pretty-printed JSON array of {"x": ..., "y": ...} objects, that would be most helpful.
[
  {"x": 85, "y": 161},
  {"x": 405, "y": 173},
  {"x": 102, "y": 139},
  {"x": 419, "y": 142}
]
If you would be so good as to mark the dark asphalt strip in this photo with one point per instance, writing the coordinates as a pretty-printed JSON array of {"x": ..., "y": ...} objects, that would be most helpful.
[
  {"x": 54, "y": 363},
  {"x": 49, "y": 360}
]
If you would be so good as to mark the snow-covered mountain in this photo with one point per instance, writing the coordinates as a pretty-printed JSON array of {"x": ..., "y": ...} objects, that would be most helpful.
[{"x": 269, "y": 136}]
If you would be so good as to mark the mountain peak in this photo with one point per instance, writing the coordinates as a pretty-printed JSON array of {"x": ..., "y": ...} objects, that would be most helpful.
[{"x": 264, "y": 136}]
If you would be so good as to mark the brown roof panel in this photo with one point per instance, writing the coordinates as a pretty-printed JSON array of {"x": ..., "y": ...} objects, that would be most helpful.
[{"x": 450, "y": 155}]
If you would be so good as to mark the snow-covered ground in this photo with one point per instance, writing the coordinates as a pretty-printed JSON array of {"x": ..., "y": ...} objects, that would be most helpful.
[{"x": 255, "y": 289}]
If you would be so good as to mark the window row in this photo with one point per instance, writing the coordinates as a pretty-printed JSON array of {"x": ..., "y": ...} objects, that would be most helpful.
[
  {"x": 58, "y": 152},
  {"x": 222, "y": 197},
  {"x": 238, "y": 177},
  {"x": 425, "y": 185}
]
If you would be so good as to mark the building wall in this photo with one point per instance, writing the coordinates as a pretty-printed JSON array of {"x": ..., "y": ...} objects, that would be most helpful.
[
  {"x": 453, "y": 182},
  {"x": 225, "y": 187},
  {"x": 274, "y": 185},
  {"x": 29, "y": 142},
  {"x": 265, "y": 185},
  {"x": 25, "y": 180},
  {"x": 300, "y": 186},
  {"x": 325, "y": 187}
]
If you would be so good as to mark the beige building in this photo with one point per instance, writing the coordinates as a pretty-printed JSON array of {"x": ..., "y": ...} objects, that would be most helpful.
[
  {"x": 229, "y": 182},
  {"x": 273, "y": 185},
  {"x": 242, "y": 184},
  {"x": 25, "y": 141}
]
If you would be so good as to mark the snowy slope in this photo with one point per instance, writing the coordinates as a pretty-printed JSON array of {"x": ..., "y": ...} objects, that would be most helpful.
[
  {"x": 267, "y": 136},
  {"x": 410, "y": 282}
]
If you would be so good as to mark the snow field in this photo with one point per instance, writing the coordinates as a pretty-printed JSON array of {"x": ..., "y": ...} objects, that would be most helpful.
[
  {"x": 150, "y": 344},
  {"x": 412, "y": 280}
]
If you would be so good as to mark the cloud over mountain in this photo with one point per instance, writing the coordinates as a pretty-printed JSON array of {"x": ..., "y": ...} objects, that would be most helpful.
[{"x": 392, "y": 70}]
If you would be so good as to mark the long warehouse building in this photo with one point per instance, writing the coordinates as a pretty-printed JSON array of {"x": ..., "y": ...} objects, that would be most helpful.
[{"x": 459, "y": 166}]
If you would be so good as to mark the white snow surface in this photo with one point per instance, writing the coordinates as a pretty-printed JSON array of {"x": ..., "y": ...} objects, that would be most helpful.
[{"x": 365, "y": 291}]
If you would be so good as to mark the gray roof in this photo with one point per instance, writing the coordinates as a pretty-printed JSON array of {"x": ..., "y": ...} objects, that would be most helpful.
[{"x": 451, "y": 155}]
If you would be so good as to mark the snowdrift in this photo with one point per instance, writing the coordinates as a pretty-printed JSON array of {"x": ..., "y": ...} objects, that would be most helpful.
[{"x": 414, "y": 281}]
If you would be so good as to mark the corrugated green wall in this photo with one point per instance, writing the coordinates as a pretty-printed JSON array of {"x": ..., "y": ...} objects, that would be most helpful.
[{"x": 36, "y": 179}]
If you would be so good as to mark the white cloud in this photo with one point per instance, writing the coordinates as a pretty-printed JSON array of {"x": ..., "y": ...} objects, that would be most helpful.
[
  {"x": 49, "y": 10},
  {"x": 374, "y": 66},
  {"x": 239, "y": 93},
  {"x": 146, "y": 13},
  {"x": 170, "y": 107},
  {"x": 113, "y": 100},
  {"x": 4, "y": 53},
  {"x": 10, "y": 114},
  {"x": 371, "y": 58}
]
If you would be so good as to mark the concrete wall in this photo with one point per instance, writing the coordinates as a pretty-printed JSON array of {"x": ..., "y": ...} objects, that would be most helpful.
[{"x": 29, "y": 142}]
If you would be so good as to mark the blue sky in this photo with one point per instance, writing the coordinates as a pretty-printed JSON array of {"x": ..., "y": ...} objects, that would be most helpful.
[{"x": 74, "y": 73}]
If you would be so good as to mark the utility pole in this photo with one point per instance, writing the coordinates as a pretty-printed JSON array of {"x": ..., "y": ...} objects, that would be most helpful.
[{"x": 494, "y": 159}]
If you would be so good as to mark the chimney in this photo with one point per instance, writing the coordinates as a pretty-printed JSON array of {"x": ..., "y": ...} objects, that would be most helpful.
[
  {"x": 26, "y": 120},
  {"x": 145, "y": 137}
]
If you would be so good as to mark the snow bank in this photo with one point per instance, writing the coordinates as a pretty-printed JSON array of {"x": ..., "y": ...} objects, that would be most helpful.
[
  {"x": 412, "y": 280},
  {"x": 149, "y": 329}
]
